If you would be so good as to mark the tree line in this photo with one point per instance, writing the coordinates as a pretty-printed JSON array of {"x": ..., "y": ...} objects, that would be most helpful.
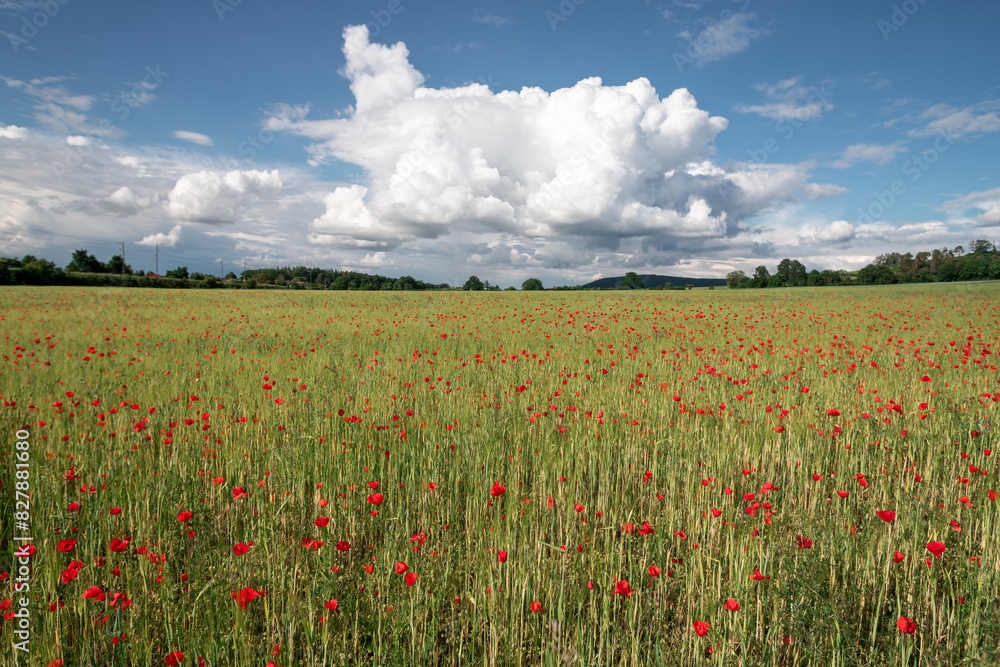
[
  {"x": 980, "y": 262},
  {"x": 86, "y": 270}
]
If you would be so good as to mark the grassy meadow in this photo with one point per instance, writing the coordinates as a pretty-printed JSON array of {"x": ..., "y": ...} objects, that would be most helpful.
[{"x": 234, "y": 478}]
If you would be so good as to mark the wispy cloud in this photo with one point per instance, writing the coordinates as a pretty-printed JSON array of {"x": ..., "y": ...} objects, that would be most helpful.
[
  {"x": 974, "y": 120},
  {"x": 722, "y": 38},
  {"x": 987, "y": 201},
  {"x": 194, "y": 137},
  {"x": 790, "y": 99},
  {"x": 879, "y": 154},
  {"x": 482, "y": 16}
]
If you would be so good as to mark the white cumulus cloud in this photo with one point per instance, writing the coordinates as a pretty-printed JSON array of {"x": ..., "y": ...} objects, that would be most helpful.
[
  {"x": 13, "y": 132},
  {"x": 592, "y": 163},
  {"x": 168, "y": 239},
  {"x": 211, "y": 196}
]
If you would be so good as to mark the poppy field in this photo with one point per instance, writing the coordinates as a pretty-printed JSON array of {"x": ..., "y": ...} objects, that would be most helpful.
[{"x": 232, "y": 478}]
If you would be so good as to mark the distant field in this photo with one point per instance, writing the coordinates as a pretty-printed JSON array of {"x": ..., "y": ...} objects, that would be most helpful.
[{"x": 800, "y": 476}]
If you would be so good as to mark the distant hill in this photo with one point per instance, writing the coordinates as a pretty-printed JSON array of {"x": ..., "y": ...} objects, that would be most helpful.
[{"x": 657, "y": 281}]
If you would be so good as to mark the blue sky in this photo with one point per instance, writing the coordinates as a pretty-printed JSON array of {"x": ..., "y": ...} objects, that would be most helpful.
[{"x": 563, "y": 140}]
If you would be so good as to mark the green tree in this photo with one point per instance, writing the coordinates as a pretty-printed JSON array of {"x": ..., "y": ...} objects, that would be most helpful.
[
  {"x": 473, "y": 284},
  {"x": 980, "y": 246},
  {"x": 117, "y": 265},
  {"x": 633, "y": 281},
  {"x": 84, "y": 262},
  {"x": 791, "y": 273},
  {"x": 34, "y": 271},
  {"x": 734, "y": 278},
  {"x": 179, "y": 272},
  {"x": 532, "y": 285},
  {"x": 877, "y": 274},
  {"x": 761, "y": 277}
]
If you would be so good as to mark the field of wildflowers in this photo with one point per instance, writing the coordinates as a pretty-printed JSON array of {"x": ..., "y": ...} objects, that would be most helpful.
[{"x": 787, "y": 477}]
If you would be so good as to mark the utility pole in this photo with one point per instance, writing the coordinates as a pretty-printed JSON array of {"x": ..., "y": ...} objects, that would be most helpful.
[
  {"x": 158, "y": 258},
  {"x": 122, "y": 244}
]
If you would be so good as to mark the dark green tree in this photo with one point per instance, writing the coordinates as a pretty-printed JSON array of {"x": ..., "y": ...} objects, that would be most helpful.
[
  {"x": 761, "y": 277},
  {"x": 84, "y": 262},
  {"x": 473, "y": 284},
  {"x": 117, "y": 265},
  {"x": 179, "y": 272},
  {"x": 734, "y": 278},
  {"x": 633, "y": 281},
  {"x": 532, "y": 285},
  {"x": 980, "y": 246}
]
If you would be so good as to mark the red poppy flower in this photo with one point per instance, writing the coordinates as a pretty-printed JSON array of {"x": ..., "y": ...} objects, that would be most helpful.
[
  {"x": 343, "y": 546},
  {"x": 73, "y": 506},
  {"x": 757, "y": 576},
  {"x": 732, "y": 605},
  {"x": 993, "y": 495},
  {"x": 94, "y": 592},
  {"x": 716, "y": 513},
  {"x": 803, "y": 542},
  {"x": 936, "y": 548},
  {"x": 628, "y": 528},
  {"x": 886, "y": 515},
  {"x": 310, "y": 543},
  {"x": 898, "y": 557},
  {"x": 241, "y": 548},
  {"x": 118, "y": 545},
  {"x": 70, "y": 573},
  {"x": 331, "y": 605},
  {"x": 502, "y": 556},
  {"x": 701, "y": 627},
  {"x": 401, "y": 567},
  {"x": 906, "y": 625},
  {"x": 175, "y": 658},
  {"x": 623, "y": 588},
  {"x": 654, "y": 570},
  {"x": 116, "y": 510},
  {"x": 535, "y": 606},
  {"x": 646, "y": 529},
  {"x": 65, "y": 546},
  {"x": 185, "y": 515},
  {"x": 497, "y": 490},
  {"x": 833, "y": 412},
  {"x": 245, "y": 596},
  {"x": 410, "y": 578},
  {"x": 681, "y": 534},
  {"x": 375, "y": 499},
  {"x": 843, "y": 494},
  {"x": 965, "y": 501}
]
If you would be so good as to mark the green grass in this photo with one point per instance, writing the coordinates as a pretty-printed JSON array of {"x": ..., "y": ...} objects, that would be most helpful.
[{"x": 538, "y": 425}]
